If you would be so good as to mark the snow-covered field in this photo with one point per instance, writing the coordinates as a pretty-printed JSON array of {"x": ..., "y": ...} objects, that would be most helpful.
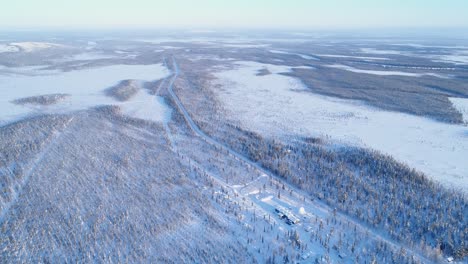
[
  {"x": 280, "y": 105},
  {"x": 383, "y": 73},
  {"x": 423, "y": 46},
  {"x": 306, "y": 57},
  {"x": 380, "y": 52},
  {"x": 461, "y": 104},
  {"x": 351, "y": 57},
  {"x": 246, "y": 45},
  {"x": 27, "y": 46},
  {"x": 8, "y": 48},
  {"x": 457, "y": 59},
  {"x": 85, "y": 88},
  {"x": 88, "y": 56},
  {"x": 146, "y": 106},
  {"x": 458, "y": 55}
]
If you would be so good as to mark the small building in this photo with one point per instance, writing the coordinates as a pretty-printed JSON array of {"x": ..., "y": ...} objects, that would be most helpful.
[{"x": 287, "y": 215}]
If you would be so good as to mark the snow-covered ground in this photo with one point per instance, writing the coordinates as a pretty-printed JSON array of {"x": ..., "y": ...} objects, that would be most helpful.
[
  {"x": 35, "y": 46},
  {"x": 170, "y": 47},
  {"x": 27, "y": 46},
  {"x": 457, "y": 59},
  {"x": 8, "y": 48},
  {"x": 246, "y": 45},
  {"x": 383, "y": 73},
  {"x": 88, "y": 56},
  {"x": 306, "y": 57},
  {"x": 458, "y": 54},
  {"x": 85, "y": 88},
  {"x": 146, "y": 106},
  {"x": 128, "y": 54},
  {"x": 25, "y": 70},
  {"x": 424, "y": 46},
  {"x": 280, "y": 105},
  {"x": 352, "y": 57},
  {"x": 461, "y": 104},
  {"x": 380, "y": 52},
  {"x": 160, "y": 40}
]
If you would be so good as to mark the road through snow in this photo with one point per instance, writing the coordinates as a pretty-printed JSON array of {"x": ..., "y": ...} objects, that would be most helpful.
[{"x": 320, "y": 206}]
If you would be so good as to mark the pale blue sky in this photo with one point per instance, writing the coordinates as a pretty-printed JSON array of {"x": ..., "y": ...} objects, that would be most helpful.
[{"x": 234, "y": 13}]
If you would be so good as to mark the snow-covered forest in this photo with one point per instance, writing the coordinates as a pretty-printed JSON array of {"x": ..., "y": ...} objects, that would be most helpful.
[{"x": 226, "y": 148}]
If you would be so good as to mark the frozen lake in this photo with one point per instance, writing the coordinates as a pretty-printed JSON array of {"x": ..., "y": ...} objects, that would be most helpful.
[{"x": 84, "y": 87}]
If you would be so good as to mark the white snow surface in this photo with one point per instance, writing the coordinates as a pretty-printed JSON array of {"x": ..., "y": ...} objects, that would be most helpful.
[
  {"x": 146, "y": 106},
  {"x": 8, "y": 48},
  {"x": 306, "y": 57},
  {"x": 246, "y": 45},
  {"x": 279, "y": 105},
  {"x": 86, "y": 56},
  {"x": 461, "y": 104},
  {"x": 457, "y": 59},
  {"x": 380, "y": 52},
  {"x": 26, "y": 70},
  {"x": 34, "y": 46},
  {"x": 85, "y": 87},
  {"x": 90, "y": 56},
  {"x": 458, "y": 56},
  {"x": 27, "y": 46},
  {"x": 423, "y": 46},
  {"x": 351, "y": 57},
  {"x": 383, "y": 73}
]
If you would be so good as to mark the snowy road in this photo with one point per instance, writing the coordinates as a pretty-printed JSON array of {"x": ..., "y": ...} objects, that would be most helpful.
[
  {"x": 202, "y": 134},
  {"x": 315, "y": 206}
]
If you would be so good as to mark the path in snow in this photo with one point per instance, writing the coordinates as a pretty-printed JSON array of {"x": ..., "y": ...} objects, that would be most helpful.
[{"x": 263, "y": 172}]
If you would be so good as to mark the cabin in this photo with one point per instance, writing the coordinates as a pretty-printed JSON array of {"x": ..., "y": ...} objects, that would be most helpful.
[{"x": 286, "y": 215}]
